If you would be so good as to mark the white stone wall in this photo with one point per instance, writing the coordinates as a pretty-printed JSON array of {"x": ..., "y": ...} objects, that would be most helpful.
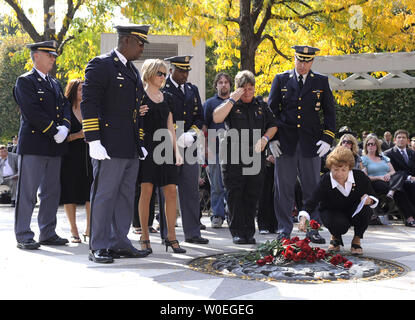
[{"x": 185, "y": 47}]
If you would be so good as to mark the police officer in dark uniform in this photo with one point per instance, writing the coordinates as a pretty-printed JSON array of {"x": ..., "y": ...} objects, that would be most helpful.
[
  {"x": 188, "y": 119},
  {"x": 111, "y": 97},
  {"x": 253, "y": 125},
  {"x": 297, "y": 98},
  {"x": 44, "y": 124}
]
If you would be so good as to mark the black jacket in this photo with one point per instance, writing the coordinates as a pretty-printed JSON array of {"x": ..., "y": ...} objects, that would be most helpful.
[
  {"x": 187, "y": 107},
  {"x": 298, "y": 112},
  {"x": 43, "y": 108},
  {"x": 111, "y": 98},
  {"x": 399, "y": 163},
  {"x": 327, "y": 198}
]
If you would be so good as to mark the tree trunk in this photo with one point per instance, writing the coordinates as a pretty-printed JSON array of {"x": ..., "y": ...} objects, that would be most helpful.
[
  {"x": 248, "y": 41},
  {"x": 49, "y": 20},
  {"x": 49, "y": 26}
]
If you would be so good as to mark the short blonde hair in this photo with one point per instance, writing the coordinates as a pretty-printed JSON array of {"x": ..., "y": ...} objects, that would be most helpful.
[
  {"x": 151, "y": 67},
  {"x": 244, "y": 77},
  {"x": 377, "y": 142},
  {"x": 350, "y": 137},
  {"x": 340, "y": 156}
]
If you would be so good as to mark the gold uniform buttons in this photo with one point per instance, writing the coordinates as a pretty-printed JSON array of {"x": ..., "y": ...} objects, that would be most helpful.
[
  {"x": 299, "y": 108},
  {"x": 299, "y": 117},
  {"x": 120, "y": 85},
  {"x": 299, "y": 99},
  {"x": 298, "y": 125},
  {"x": 57, "y": 116},
  {"x": 106, "y": 124}
]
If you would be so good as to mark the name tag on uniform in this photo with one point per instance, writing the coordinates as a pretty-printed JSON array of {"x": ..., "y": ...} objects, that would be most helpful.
[{"x": 120, "y": 78}]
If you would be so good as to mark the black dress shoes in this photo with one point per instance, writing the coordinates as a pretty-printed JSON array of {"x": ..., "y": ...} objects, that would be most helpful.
[
  {"x": 243, "y": 240},
  {"x": 315, "y": 237},
  {"x": 198, "y": 240},
  {"x": 410, "y": 224},
  {"x": 114, "y": 254},
  {"x": 131, "y": 253},
  {"x": 100, "y": 256},
  {"x": 28, "y": 245},
  {"x": 282, "y": 235},
  {"x": 239, "y": 240},
  {"x": 54, "y": 241}
]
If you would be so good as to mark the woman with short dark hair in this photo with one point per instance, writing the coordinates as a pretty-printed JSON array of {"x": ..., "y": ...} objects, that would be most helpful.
[
  {"x": 338, "y": 197},
  {"x": 76, "y": 169},
  {"x": 250, "y": 125}
]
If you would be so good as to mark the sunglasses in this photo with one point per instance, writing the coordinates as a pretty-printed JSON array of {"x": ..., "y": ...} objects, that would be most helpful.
[
  {"x": 371, "y": 144},
  {"x": 139, "y": 43},
  {"x": 161, "y": 74},
  {"x": 347, "y": 142}
]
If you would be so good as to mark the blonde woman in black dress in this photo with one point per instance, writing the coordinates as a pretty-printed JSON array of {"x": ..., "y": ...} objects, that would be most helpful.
[{"x": 165, "y": 175}]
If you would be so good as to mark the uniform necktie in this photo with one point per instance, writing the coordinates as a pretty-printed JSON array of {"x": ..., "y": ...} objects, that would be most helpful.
[
  {"x": 300, "y": 82},
  {"x": 130, "y": 66},
  {"x": 405, "y": 156},
  {"x": 48, "y": 81}
]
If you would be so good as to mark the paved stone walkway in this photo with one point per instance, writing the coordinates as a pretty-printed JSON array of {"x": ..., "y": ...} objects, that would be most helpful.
[{"x": 66, "y": 272}]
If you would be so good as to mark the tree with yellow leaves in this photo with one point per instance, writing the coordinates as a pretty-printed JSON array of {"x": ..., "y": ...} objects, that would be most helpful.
[{"x": 260, "y": 33}]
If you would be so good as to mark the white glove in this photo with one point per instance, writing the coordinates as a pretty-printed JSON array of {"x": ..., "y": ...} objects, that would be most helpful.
[
  {"x": 275, "y": 148},
  {"x": 324, "y": 148},
  {"x": 186, "y": 139},
  {"x": 145, "y": 153},
  {"x": 97, "y": 150},
  {"x": 61, "y": 135}
]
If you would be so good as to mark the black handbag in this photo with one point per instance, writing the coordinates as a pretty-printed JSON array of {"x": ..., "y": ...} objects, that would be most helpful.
[{"x": 5, "y": 197}]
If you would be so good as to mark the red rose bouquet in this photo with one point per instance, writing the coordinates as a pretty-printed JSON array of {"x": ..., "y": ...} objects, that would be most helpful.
[{"x": 294, "y": 249}]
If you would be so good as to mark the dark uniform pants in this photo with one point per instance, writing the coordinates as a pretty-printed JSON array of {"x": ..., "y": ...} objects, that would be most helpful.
[
  {"x": 243, "y": 194},
  {"x": 188, "y": 187},
  {"x": 286, "y": 170},
  {"x": 112, "y": 202},
  {"x": 37, "y": 172}
]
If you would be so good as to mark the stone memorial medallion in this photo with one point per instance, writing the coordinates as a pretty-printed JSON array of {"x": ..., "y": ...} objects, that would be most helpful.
[{"x": 294, "y": 260}]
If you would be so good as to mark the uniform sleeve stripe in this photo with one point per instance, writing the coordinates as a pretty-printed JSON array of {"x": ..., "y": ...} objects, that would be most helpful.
[
  {"x": 48, "y": 127},
  {"x": 90, "y": 120},
  {"x": 67, "y": 120},
  {"x": 92, "y": 129},
  {"x": 329, "y": 133},
  {"x": 195, "y": 128}
]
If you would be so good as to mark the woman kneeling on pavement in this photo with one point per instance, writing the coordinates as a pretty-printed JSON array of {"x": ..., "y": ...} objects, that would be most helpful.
[{"x": 344, "y": 198}]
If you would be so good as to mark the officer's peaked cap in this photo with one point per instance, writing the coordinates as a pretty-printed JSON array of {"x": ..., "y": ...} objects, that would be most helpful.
[
  {"x": 305, "y": 53},
  {"x": 140, "y": 31},
  {"x": 47, "y": 46},
  {"x": 181, "y": 62}
]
